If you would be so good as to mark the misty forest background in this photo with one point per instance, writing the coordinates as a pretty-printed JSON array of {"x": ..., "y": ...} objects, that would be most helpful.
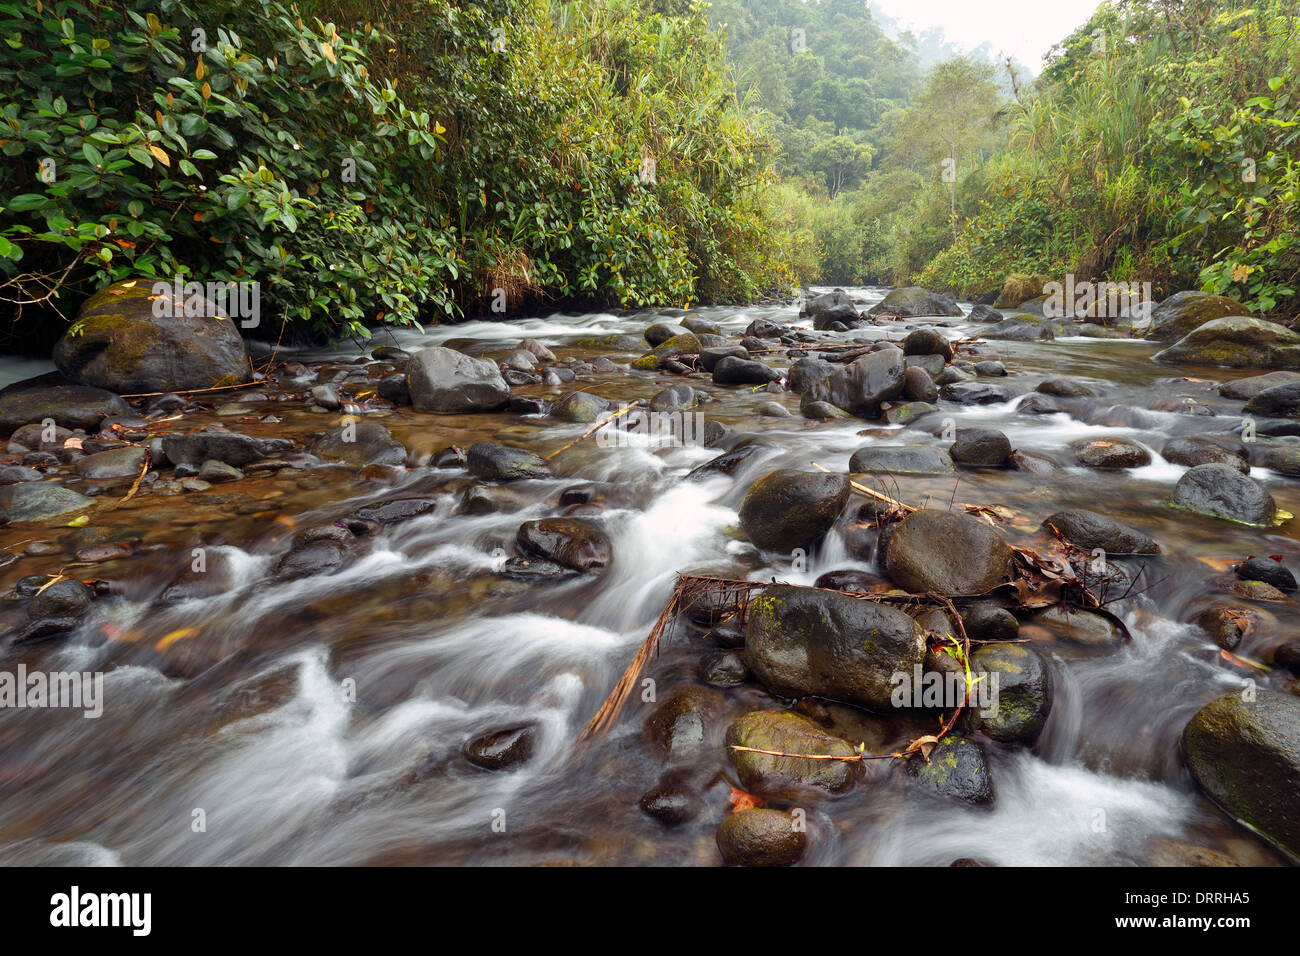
[{"x": 397, "y": 160}]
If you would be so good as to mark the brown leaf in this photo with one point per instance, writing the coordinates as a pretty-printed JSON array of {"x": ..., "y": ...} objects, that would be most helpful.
[{"x": 925, "y": 745}]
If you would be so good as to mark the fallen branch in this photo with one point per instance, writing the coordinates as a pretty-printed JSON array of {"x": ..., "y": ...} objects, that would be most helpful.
[{"x": 589, "y": 432}]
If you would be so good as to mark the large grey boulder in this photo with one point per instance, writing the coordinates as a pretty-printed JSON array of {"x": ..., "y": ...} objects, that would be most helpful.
[
  {"x": 1237, "y": 341},
  {"x": 446, "y": 382}
]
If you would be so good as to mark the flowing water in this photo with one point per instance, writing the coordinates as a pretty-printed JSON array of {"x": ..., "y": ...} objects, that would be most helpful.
[{"x": 234, "y": 705}]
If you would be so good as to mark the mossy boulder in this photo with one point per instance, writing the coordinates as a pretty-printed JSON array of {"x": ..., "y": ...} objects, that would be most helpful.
[
  {"x": 1185, "y": 312},
  {"x": 956, "y": 770},
  {"x": 1022, "y": 684},
  {"x": 805, "y": 641},
  {"x": 1018, "y": 287},
  {"x": 39, "y": 500},
  {"x": 788, "y": 777},
  {"x": 1236, "y": 341},
  {"x": 1245, "y": 754},
  {"x": 1222, "y": 491},
  {"x": 913, "y": 301},
  {"x": 120, "y": 344}
]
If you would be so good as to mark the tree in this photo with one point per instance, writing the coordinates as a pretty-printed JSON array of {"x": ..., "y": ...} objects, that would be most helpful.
[{"x": 843, "y": 162}]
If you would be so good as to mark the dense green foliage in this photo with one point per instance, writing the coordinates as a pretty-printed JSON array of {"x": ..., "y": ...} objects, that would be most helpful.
[{"x": 371, "y": 162}]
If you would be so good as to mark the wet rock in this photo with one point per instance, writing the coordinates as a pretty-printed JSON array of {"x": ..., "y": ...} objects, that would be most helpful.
[
  {"x": 801, "y": 641},
  {"x": 446, "y": 382},
  {"x": 1185, "y": 312},
  {"x": 1089, "y": 530},
  {"x": 683, "y": 344},
  {"x": 1042, "y": 405},
  {"x": 787, "y": 777},
  {"x": 1238, "y": 342},
  {"x": 1202, "y": 451},
  {"x": 731, "y": 370},
  {"x": 1246, "y": 388},
  {"x": 1269, "y": 570},
  {"x": 901, "y": 460},
  {"x": 390, "y": 353},
  {"x": 1246, "y": 757},
  {"x": 847, "y": 579},
  {"x": 932, "y": 365},
  {"x": 807, "y": 372},
  {"x": 1222, "y": 491},
  {"x": 317, "y": 557},
  {"x": 1109, "y": 453},
  {"x": 990, "y": 369},
  {"x": 927, "y": 341},
  {"x": 38, "y": 500},
  {"x": 918, "y": 386},
  {"x": 358, "y": 444},
  {"x": 760, "y": 837},
  {"x": 764, "y": 329},
  {"x": 124, "y": 462},
  {"x": 1032, "y": 464},
  {"x": 861, "y": 386},
  {"x": 581, "y": 407},
  {"x": 980, "y": 448},
  {"x": 326, "y": 396},
  {"x": 821, "y": 411},
  {"x": 908, "y": 413},
  {"x": 198, "y": 447},
  {"x": 63, "y": 599},
  {"x": 675, "y": 398},
  {"x": 401, "y": 509},
  {"x": 535, "y": 571},
  {"x": 977, "y": 393},
  {"x": 684, "y": 723},
  {"x": 952, "y": 375},
  {"x": 957, "y": 770},
  {"x": 831, "y": 307},
  {"x": 790, "y": 509},
  {"x": 45, "y": 629},
  {"x": 985, "y": 313},
  {"x": 672, "y": 801},
  {"x": 13, "y": 474},
  {"x": 1063, "y": 388},
  {"x": 1288, "y": 656},
  {"x": 1020, "y": 328},
  {"x": 216, "y": 472},
  {"x": 1227, "y": 624},
  {"x": 68, "y": 406},
  {"x": 493, "y": 462},
  {"x": 728, "y": 463},
  {"x": 1024, "y": 693},
  {"x": 1079, "y": 626},
  {"x": 724, "y": 668},
  {"x": 661, "y": 332},
  {"x": 989, "y": 622},
  {"x": 1277, "y": 400},
  {"x": 912, "y": 301},
  {"x": 945, "y": 552},
  {"x": 710, "y": 357},
  {"x": 502, "y": 749},
  {"x": 122, "y": 343},
  {"x": 569, "y": 542}
]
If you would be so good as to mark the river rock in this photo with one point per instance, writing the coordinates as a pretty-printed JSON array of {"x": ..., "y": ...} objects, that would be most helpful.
[
  {"x": 901, "y": 460},
  {"x": 1236, "y": 341},
  {"x": 569, "y": 542},
  {"x": 946, "y": 552},
  {"x": 230, "y": 447},
  {"x": 912, "y": 301},
  {"x": 1185, "y": 312},
  {"x": 787, "y": 777},
  {"x": 724, "y": 668},
  {"x": 957, "y": 770},
  {"x": 981, "y": 448},
  {"x": 760, "y": 837},
  {"x": 493, "y": 462},
  {"x": 124, "y": 462},
  {"x": 1109, "y": 453},
  {"x": 1079, "y": 626},
  {"x": 984, "y": 313},
  {"x": 309, "y": 560},
  {"x": 1197, "y": 450},
  {"x": 861, "y": 386},
  {"x": 1277, "y": 400},
  {"x": 802, "y": 641},
  {"x": 357, "y": 444},
  {"x": 1269, "y": 570},
  {"x": 68, "y": 406},
  {"x": 989, "y": 622},
  {"x": 977, "y": 393},
  {"x": 38, "y": 500},
  {"x": 502, "y": 749},
  {"x": 63, "y": 599},
  {"x": 1089, "y": 530},
  {"x": 120, "y": 344},
  {"x": 581, "y": 407},
  {"x": 446, "y": 382},
  {"x": 927, "y": 341},
  {"x": 1246, "y": 388},
  {"x": 710, "y": 357},
  {"x": 661, "y": 332},
  {"x": 1020, "y": 328},
  {"x": 918, "y": 386},
  {"x": 673, "y": 800},
  {"x": 731, "y": 370},
  {"x": 832, "y": 307},
  {"x": 1227, "y": 624},
  {"x": 1246, "y": 757},
  {"x": 807, "y": 372},
  {"x": 790, "y": 509},
  {"x": 684, "y": 723},
  {"x": 1063, "y": 388},
  {"x": 1024, "y": 693},
  {"x": 1222, "y": 491}
]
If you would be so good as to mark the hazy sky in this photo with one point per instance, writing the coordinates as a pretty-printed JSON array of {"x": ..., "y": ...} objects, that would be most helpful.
[{"x": 1025, "y": 28}]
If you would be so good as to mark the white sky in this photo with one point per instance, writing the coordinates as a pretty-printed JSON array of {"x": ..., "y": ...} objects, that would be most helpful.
[{"x": 1024, "y": 28}]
